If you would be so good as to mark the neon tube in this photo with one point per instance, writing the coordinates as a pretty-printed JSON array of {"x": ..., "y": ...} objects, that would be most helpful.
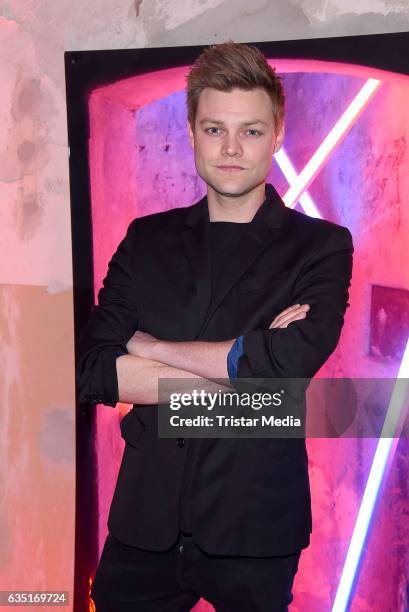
[
  {"x": 381, "y": 464},
  {"x": 333, "y": 138},
  {"x": 290, "y": 174}
]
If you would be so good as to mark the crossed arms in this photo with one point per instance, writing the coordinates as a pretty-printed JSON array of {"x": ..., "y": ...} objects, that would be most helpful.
[
  {"x": 150, "y": 359},
  {"x": 294, "y": 345}
]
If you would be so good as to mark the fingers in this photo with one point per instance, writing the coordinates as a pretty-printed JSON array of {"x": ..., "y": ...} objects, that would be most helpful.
[
  {"x": 290, "y": 319},
  {"x": 293, "y": 313},
  {"x": 296, "y": 314}
]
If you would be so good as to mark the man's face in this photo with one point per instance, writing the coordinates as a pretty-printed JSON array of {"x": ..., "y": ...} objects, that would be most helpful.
[{"x": 234, "y": 139}]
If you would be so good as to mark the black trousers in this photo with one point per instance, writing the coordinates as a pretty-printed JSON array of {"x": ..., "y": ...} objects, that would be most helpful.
[{"x": 129, "y": 579}]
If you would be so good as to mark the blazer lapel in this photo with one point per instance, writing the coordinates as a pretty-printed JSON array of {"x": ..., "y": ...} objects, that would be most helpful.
[
  {"x": 196, "y": 247},
  {"x": 263, "y": 228}
]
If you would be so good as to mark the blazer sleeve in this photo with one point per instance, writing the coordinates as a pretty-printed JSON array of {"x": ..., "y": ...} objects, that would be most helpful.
[
  {"x": 112, "y": 322},
  {"x": 299, "y": 350}
]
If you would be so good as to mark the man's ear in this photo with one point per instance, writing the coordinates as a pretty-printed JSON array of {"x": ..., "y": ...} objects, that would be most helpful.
[
  {"x": 190, "y": 134},
  {"x": 279, "y": 137}
]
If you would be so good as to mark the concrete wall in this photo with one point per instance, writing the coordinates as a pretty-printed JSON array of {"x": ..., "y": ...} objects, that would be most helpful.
[{"x": 37, "y": 417}]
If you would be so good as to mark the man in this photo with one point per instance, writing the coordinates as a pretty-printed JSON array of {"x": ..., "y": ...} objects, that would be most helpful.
[{"x": 235, "y": 286}]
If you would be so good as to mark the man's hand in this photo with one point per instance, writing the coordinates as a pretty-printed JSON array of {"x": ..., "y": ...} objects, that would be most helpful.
[{"x": 292, "y": 313}]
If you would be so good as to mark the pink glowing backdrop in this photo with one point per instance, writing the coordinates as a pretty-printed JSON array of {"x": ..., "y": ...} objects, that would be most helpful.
[{"x": 141, "y": 162}]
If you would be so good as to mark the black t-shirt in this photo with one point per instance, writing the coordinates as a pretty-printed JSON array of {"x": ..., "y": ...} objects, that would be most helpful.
[{"x": 225, "y": 238}]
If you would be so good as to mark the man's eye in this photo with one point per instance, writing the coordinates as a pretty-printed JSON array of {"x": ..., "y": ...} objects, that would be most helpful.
[
  {"x": 254, "y": 132},
  {"x": 213, "y": 130}
]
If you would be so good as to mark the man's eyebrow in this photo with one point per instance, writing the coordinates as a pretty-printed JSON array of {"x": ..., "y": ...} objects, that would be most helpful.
[
  {"x": 210, "y": 120},
  {"x": 218, "y": 122},
  {"x": 254, "y": 121}
]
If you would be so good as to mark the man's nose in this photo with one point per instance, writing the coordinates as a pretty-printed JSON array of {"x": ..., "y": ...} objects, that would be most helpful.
[{"x": 232, "y": 146}]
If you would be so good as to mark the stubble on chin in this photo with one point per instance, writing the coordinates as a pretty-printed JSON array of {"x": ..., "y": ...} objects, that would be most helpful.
[{"x": 231, "y": 194}]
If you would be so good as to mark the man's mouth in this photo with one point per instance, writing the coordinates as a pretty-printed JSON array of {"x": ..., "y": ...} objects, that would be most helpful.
[{"x": 230, "y": 168}]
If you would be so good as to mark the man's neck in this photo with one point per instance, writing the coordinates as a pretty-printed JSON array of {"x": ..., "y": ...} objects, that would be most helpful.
[{"x": 240, "y": 209}]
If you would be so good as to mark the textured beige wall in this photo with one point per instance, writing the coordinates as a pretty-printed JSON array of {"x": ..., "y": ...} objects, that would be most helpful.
[{"x": 37, "y": 418}]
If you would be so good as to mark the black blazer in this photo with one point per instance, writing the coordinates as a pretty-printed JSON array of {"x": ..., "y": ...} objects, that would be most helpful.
[{"x": 249, "y": 496}]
